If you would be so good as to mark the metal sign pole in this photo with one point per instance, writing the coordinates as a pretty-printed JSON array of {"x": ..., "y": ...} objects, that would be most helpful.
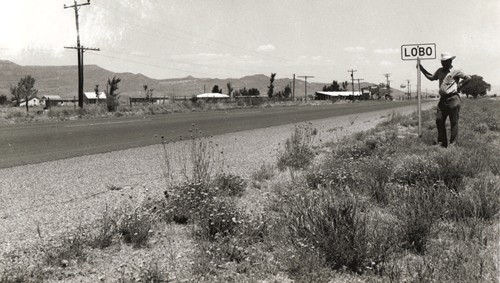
[{"x": 419, "y": 94}]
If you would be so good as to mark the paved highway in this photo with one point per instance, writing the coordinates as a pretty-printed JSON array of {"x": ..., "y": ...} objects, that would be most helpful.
[{"x": 34, "y": 143}]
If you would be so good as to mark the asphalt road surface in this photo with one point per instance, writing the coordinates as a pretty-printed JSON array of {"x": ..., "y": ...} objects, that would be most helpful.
[{"x": 39, "y": 142}]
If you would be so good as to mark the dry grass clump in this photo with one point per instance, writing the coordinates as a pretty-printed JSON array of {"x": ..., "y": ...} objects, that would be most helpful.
[{"x": 298, "y": 153}]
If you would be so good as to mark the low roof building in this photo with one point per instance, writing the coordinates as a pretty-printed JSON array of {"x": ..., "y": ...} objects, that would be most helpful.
[{"x": 212, "y": 95}]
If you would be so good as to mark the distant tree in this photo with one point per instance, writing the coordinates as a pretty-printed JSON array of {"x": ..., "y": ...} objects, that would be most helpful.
[
  {"x": 345, "y": 84},
  {"x": 96, "y": 90},
  {"x": 24, "y": 90},
  {"x": 216, "y": 89},
  {"x": 229, "y": 89},
  {"x": 270, "y": 88},
  {"x": 333, "y": 87},
  {"x": 476, "y": 87},
  {"x": 284, "y": 93},
  {"x": 253, "y": 92},
  {"x": 288, "y": 91},
  {"x": 3, "y": 99},
  {"x": 148, "y": 92},
  {"x": 241, "y": 92},
  {"x": 113, "y": 94}
]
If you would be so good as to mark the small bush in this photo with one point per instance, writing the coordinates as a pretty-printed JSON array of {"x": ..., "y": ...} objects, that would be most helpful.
[
  {"x": 264, "y": 173},
  {"x": 479, "y": 198},
  {"x": 220, "y": 219},
  {"x": 188, "y": 200},
  {"x": 454, "y": 165},
  {"x": 298, "y": 153},
  {"x": 333, "y": 225},
  {"x": 418, "y": 209},
  {"x": 416, "y": 169},
  {"x": 105, "y": 232},
  {"x": 229, "y": 184},
  {"x": 71, "y": 248},
  {"x": 135, "y": 228},
  {"x": 376, "y": 176}
]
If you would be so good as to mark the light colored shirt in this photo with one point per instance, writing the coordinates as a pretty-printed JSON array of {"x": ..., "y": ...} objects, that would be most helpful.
[{"x": 448, "y": 80}]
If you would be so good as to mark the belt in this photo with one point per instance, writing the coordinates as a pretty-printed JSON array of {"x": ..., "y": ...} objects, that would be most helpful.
[{"x": 449, "y": 95}]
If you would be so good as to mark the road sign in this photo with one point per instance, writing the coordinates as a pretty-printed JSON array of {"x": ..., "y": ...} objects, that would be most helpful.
[
  {"x": 418, "y": 52},
  {"x": 421, "y": 51}
]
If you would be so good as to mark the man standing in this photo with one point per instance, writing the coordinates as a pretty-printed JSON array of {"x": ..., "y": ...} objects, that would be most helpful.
[{"x": 451, "y": 80}]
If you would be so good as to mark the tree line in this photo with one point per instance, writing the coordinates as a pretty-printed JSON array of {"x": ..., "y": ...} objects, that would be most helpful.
[{"x": 25, "y": 90}]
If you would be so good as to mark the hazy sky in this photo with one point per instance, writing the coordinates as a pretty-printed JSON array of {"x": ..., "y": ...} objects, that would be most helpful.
[{"x": 234, "y": 38}]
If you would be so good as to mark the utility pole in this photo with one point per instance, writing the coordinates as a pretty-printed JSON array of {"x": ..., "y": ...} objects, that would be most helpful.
[
  {"x": 388, "y": 85},
  {"x": 293, "y": 87},
  {"x": 352, "y": 78},
  {"x": 359, "y": 85},
  {"x": 409, "y": 91},
  {"x": 305, "y": 79},
  {"x": 80, "y": 50}
]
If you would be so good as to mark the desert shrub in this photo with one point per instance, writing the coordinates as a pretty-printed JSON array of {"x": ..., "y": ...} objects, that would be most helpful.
[
  {"x": 202, "y": 159},
  {"x": 188, "y": 200},
  {"x": 480, "y": 117},
  {"x": 353, "y": 150},
  {"x": 135, "y": 227},
  {"x": 229, "y": 184},
  {"x": 480, "y": 197},
  {"x": 22, "y": 274},
  {"x": 71, "y": 248},
  {"x": 334, "y": 171},
  {"x": 481, "y": 128},
  {"x": 418, "y": 208},
  {"x": 264, "y": 173},
  {"x": 333, "y": 225},
  {"x": 298, "y": 153},
  {"x": 104, "y": 232},
  {"x": 376, "y": 174},
  {"x": 416, "y": 169},
  {"x": 220, "y": 219},
  {"x": 454, "y": 165},
  {"x": 148, "y": 272}
]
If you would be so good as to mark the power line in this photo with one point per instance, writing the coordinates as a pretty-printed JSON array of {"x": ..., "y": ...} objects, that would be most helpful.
[
  {"x": 148, "y": 64},
  {"x": 192, "y": 35}
]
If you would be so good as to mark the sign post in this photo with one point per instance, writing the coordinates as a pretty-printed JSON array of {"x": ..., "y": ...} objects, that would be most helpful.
[{"x": 418, "y": 52}]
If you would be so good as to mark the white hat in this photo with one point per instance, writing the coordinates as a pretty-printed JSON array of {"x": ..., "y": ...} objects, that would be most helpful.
[{"x": 447, "y": 56}]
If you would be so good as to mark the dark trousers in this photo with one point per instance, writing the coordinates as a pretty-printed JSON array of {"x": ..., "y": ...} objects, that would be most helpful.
[{"x": 445, "y": 110}]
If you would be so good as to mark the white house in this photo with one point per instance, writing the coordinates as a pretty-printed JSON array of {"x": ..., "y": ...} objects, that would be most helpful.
[
  {"x": 92, "y": 97},
  {"x": 35, "y": 101},
  {"x": 212, "y": 95},
  {"x": 326, "y": 95}
]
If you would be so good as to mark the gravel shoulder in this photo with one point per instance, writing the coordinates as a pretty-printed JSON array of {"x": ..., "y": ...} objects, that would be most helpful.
[{"x": 55, "y": 197}]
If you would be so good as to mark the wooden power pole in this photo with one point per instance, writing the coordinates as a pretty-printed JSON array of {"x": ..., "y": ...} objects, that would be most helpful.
[
  {"x": 79, "y": 50},
  {"x": 352, "y": 79},
  {"x": 305, "y": 80}
]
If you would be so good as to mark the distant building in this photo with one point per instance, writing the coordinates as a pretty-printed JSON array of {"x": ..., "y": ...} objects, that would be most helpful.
[
  {"x": 212, "y": 95},
  {"x": 336, "y": 95},
  {"x": 35, "y": 101},
  {"x": 93, "y": 98},
  {"x": 51, "y": 100}
]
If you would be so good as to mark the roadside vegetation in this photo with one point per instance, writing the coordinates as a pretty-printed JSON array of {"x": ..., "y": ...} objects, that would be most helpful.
[
  {"x": 14, "y": 115},
  {"x": 380, "y": 206}
]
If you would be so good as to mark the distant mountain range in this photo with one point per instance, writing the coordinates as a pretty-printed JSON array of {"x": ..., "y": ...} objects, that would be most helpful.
[{"x": 63, "y": 81}]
